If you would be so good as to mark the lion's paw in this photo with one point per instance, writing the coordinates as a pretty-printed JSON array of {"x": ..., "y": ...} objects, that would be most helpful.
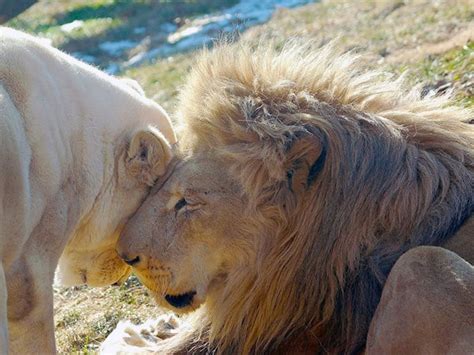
[
  {"x": 164, "y": 327},
  {"x": 130, "y": 338}
]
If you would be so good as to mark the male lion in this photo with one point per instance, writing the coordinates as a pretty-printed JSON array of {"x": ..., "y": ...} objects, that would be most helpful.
[
  {"x": 301, "y": 182},
  {"x": 79, "y": 152}
]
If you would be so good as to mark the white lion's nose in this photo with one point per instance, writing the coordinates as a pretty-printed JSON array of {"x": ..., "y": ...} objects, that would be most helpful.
[
  {"x": 129, "y": 253},
  {"x": 132, "y": 261}
]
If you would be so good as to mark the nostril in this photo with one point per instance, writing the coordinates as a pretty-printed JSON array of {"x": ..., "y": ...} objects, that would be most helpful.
[{"x": 132, "y": 262}]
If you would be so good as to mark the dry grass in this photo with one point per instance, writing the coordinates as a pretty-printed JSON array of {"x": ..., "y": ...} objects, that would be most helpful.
[
  {"x": 433, "y": 40},
  {"x": 430, "y": 39},
  {"x": 381, "y": 28},
  {"x": 85, "y": 316}
]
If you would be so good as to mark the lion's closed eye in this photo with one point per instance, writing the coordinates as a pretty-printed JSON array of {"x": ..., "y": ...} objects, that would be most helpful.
[
  {"x": 185, "y": 205},
  {"x": 180, "y": 204}
]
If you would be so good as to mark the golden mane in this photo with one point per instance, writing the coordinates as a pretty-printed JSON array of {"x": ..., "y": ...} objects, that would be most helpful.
[{"x": 388, "y": 171}]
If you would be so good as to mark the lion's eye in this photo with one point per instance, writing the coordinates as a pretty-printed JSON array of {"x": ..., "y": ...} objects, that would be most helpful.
[{"x": 180, "y": 204}]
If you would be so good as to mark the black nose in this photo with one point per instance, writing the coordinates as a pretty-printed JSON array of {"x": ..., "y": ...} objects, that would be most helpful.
[{"x": 130, "y": 260}]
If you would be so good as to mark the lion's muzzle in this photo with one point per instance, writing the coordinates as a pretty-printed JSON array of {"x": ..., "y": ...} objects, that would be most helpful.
[{"x": 182, "y": 300}]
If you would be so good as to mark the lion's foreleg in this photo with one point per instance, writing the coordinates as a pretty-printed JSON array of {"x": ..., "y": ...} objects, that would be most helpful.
[
  {"x": 3, "y": 313},
  {"x": 30, "y": 307},
  {"x": 187, "y": 340}
]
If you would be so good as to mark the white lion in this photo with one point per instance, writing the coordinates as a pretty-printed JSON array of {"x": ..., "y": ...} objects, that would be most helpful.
[{"x": 79, "y": 152}]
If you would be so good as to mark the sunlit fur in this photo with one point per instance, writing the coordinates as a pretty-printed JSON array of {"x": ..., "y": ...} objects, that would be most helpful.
[{"x": 395, "y": 171}]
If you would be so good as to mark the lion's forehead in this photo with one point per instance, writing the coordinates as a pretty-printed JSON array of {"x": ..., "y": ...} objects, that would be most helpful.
[{"x": 196, "y": 176}]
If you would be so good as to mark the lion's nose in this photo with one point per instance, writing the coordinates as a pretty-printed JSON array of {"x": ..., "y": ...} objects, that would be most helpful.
[{"x": 132, "y": 260}]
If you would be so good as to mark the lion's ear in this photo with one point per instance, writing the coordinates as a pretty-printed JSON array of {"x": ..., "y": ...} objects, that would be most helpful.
[
  {"x": 133, "y": 84},
  {"x": 305, "y": 160},
  {"x": 148, "y": 155}
]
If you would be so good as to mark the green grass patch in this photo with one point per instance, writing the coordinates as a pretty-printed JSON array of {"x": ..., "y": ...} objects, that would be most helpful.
[
  {"x": 162, "y": 79},
  {"x": 453, "y": 69},
  {"x": 457, "y": 63}
]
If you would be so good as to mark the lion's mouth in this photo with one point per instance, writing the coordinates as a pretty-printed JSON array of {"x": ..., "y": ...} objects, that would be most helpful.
[{"x": 182, "y": 300}]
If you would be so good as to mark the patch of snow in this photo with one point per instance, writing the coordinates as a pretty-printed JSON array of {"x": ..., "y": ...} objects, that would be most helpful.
[
  {"x": 118, "y": 47},
  {"x": 84, "y": 57},
  {"x": 142, "y": 57},
  {"x": 71, "y": 26},
  {"x": 137, "y": 59},
  {"x": 203, "y": 29},
  {"x": 238, "y": 17},
  {"x": 177, "y": 36},
  {"x": 200, "y": 26}
]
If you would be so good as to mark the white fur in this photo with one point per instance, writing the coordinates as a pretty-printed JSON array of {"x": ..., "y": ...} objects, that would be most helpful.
[
  {"x": 65, "y": 179},
  {"x": 128, "y": 338}
]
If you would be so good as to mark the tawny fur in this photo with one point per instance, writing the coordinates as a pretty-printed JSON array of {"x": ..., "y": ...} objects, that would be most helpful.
[
  {"x": 399, "y": 172},
  {"x": 341, "y": 172}
]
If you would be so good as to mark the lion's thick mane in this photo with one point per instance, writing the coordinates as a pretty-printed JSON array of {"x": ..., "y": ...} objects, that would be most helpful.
[{"x": 391, "y": 171}]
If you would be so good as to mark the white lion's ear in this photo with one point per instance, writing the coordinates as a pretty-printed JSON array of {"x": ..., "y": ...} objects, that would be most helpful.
[
  {"x": 134, "y": 85},
  {"x": 148, "y": 155}
]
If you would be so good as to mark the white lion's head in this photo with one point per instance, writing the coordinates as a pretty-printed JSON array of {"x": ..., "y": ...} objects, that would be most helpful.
[{"x": 90, "y": 257}]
